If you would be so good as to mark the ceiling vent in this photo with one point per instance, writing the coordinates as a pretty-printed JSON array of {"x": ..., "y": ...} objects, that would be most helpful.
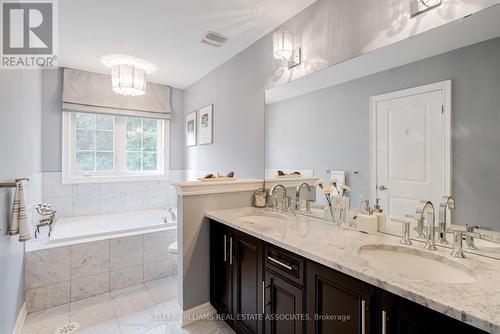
[{"x": 214, "y": 39}]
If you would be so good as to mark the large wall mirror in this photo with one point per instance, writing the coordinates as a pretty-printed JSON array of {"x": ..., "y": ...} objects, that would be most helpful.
[{"x": 417, "y": 120}]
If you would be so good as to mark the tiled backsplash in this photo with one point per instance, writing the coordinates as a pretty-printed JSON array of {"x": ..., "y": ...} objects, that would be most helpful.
[{"x": 100, "y": 198}]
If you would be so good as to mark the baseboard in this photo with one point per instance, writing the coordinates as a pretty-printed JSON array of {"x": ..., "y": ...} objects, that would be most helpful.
[
  {"x": 195, "y": 314},
  {"x": 21, "y": 317}
]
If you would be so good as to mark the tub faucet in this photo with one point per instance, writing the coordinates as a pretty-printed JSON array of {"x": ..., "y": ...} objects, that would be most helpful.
[
  {"x": 297, "y": 195},
  {"x": 426, "y": 207},
  {"x": 275, "y": 200},
  {"x": 446, "y": 202}
]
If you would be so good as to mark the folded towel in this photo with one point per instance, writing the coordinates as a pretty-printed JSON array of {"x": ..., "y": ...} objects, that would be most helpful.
[{"x": 20, "y": 222}]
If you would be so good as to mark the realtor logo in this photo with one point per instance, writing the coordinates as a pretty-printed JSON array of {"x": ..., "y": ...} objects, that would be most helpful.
[{"x": 28, "y": 34}]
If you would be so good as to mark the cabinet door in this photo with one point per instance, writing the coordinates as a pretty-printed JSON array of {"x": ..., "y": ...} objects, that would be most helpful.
[
  {"x": 338, "y": 303},
  {"x": 284, "y": 306},
  {"x": 220, "y": 269},
  {"x": 247, "y": 283},
  {"x": 401, "y": 316}
]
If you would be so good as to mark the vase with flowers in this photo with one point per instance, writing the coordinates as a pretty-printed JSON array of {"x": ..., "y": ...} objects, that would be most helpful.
[{"x": 337, "y": 200}]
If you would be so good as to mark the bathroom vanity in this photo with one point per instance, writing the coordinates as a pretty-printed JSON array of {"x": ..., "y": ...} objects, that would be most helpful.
[{"x": 266, "y": 266}]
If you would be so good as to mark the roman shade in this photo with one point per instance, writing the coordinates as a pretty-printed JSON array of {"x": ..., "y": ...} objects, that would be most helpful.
[{"x": 92, "y": 92}]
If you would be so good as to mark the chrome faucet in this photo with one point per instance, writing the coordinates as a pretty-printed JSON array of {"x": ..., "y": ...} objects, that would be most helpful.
[
  {"x": 447, "y": 202},
  {"x": 275, "y": 200},
  {"x": 424, "y": 207},
  {"x": 405, "y": 232},
  {"x": 297, "y": 196},
  {"x": 469, "y": 237}
]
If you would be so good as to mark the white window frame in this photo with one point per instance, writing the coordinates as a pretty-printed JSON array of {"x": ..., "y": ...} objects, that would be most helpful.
[{"x": 120, "y": 174}]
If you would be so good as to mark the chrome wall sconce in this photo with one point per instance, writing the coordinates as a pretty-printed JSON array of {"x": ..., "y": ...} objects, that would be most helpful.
[
  {"x": 283, "y": 48},
  {"x": 420, "y": 6}
]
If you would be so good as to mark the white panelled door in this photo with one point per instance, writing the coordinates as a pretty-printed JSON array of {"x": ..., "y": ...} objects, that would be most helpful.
[{"x": 411, "y": 147}]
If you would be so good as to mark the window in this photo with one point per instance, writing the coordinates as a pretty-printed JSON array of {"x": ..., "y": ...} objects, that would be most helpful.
[{"x": 100, "y": 147}]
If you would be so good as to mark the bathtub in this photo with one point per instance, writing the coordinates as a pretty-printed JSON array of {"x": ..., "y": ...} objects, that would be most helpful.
[
  {"x": 84, "y": 227},
  {"x": 91, "y": 255}
]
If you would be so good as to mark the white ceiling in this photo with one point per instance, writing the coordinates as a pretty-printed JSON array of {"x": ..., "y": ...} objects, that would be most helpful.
[{"x": 166, "y": 33}]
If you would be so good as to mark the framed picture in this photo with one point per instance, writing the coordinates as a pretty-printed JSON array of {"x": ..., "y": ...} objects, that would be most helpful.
[
  {"x": 205, "y": 125},
  {"x": 191, "y": 129}
]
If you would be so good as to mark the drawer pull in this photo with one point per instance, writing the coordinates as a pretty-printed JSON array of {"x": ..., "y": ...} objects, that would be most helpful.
[
  {"x": 384, "y": 322},
  {"x": 231, "y": 251},
  {"x": 280, "y": 263},
  {"x": 225, "y": 248},
  {"x": 363, "y": 305},
  {"x": 263, "y": 297}
]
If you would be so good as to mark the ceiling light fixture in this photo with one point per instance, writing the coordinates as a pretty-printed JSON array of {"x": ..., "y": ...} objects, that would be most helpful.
[
  {"x": 283, "y": 48},
  {"x": 128, "y": 74}
]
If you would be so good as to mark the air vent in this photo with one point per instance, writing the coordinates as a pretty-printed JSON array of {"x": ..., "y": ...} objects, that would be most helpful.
[{"x": 214, "y": 39}]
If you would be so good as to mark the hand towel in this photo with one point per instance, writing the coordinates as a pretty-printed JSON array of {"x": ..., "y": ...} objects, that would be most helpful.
[{"x": 20, "y": 222}]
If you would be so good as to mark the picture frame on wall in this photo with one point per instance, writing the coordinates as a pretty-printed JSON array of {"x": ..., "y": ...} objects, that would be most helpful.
[
  {"x": 205, "y": 125},
  {"x": 190, "y": 128}
]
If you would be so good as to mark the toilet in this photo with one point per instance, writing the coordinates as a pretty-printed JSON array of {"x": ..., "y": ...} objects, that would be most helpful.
[{"x": 172, "y": 249}]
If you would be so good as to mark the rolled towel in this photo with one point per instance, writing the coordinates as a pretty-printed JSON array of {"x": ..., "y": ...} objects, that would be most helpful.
[{"x": 20, "y": 222}]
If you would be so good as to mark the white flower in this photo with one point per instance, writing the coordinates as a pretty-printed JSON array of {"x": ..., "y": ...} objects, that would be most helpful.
[{"x": 345, "y": 188}]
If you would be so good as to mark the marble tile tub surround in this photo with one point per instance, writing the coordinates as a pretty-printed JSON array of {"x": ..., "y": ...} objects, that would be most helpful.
[
  {"x": 98, "y": 198},
  {"x": 476, "y": 303},
  {"x": 60, "y": 275}
]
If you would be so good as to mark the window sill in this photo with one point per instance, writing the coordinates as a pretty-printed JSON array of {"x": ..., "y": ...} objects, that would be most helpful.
[{"x": 113, "y": 178}]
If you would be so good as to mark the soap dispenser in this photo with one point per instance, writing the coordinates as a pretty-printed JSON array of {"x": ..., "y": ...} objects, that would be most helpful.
[
  {"x": 367, "y": 221},
  {"x": 381, "y": 216}
]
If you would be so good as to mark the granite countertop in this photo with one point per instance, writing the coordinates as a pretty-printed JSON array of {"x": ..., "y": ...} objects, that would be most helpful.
[{"x": 476, "y": 303}]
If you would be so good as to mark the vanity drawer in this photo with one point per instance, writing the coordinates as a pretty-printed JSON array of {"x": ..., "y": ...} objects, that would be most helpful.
[{"x": 288, "y": 265}]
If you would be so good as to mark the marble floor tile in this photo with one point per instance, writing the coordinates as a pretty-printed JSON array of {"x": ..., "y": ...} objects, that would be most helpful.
[
  {"x": 199, "y": 327},
  {"x": 140, "y": 321},
  {"x": 164, "y": 329},
  {"x": 92, "y": 311},
  {"x": 169, "y": 311},
  {"x": 46, "y": 321},
  {"x": 162, "y": 290},
  {"x": 126, "y": 311},
  {"x": 130, "y": 300},
  {"x": 107, "y": 327}
]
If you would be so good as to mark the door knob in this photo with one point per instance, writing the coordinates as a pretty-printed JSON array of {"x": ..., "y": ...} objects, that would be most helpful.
[{"x": 382, "y": 187}]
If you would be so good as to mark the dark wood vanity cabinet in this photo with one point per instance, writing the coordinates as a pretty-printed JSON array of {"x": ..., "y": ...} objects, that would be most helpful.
[
  {"x": 263, "y": 289},
  {"x": 338, "y": 303},
  {"x": 236, "y": 273},
  {"x": 401, "y": 316},
  {"x": 283, "y": 292},
  {"x": 220, "y": 269},
  {"x": 247, "y": 283}
]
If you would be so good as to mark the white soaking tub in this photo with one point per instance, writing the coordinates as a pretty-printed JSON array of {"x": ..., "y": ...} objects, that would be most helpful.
[{"x": 93, "y": 226}]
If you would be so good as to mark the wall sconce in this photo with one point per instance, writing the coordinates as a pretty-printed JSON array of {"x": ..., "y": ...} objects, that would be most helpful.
[{"x": 283, "y": 48}]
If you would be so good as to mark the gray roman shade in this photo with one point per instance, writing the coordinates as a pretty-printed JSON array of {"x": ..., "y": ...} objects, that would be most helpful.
[{"x": 92, "y": 92}]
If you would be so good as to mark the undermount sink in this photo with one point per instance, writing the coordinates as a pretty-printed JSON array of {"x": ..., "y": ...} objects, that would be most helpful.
[
  {"x": 415, "y": 264},
  {"x": 263, "y": 219}
]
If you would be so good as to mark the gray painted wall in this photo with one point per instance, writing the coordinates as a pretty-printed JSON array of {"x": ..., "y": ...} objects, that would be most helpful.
[
  {"x": 52, "y": 85},
  {"x": 329, "y": 128},
  {"x": 329, "y": 31},
  {"x": 20, "y": 152}
]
